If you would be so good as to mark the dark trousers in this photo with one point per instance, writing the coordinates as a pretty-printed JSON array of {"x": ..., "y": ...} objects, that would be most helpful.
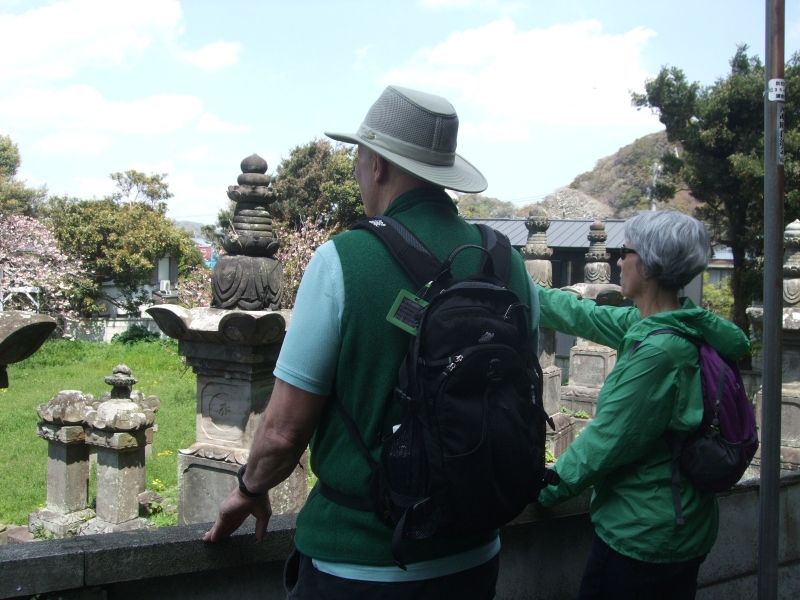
[
  {"x": 611, "y": 575},
  {"x": 304, "y": 582}
]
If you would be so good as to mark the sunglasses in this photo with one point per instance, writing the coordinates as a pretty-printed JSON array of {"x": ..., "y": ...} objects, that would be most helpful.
[{"x": 624, "y": 251}]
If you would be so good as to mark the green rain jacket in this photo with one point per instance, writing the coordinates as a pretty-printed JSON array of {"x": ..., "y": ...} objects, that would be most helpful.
[{"x": 622, "y": 452}]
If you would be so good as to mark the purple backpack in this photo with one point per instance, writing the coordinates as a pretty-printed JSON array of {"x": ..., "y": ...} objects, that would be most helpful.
[{"x": 714, "y": 457}]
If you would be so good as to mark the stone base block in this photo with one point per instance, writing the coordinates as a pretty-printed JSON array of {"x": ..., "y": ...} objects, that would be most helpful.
[
  {"x": 203, "y": 483},
  {"x": 558, "y": 440},
  {"x": 58, "y": 524},
  {"x": 97, "y": 525},
  {"x": 790, "y": 458},
  {"x": 577, "y": 398},
  {"x": 3, "y": 534},
  {"x": 19, "y": 535},
  {"x": 590, "y": 364},
  {"x": 552, "y": 389}
]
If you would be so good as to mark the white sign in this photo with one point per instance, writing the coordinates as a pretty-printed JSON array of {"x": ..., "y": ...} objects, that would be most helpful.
[{"x": 776, "y": 90}]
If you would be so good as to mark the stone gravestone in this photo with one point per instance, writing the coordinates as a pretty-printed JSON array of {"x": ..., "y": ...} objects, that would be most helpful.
[
  {"x": 61, "y": 425},
  {"x": 590, "y": 363},
  {"x": 119, "y": 425},
  {"x": 790, "y": 352},
  {"x": 232, "y": 347}
]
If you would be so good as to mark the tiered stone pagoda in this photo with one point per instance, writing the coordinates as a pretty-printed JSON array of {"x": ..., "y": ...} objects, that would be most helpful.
[
  {"x": 232, "y": 347},
  {"x": 590, "y": 363},
  {"x": 537, "y": 262},
  {"x": 248, "y": 277}
]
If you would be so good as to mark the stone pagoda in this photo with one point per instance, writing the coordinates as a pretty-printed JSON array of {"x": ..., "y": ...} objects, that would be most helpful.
[
  {"x": 590, "y": 363},
  {"x": 232, "y": 347}
]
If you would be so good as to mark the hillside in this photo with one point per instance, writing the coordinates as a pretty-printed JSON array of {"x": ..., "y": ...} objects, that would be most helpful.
[
  {"x": 617, "y": 187},
  {"x": 194, "y": 229},
  {"x": 622, "y": 181}
]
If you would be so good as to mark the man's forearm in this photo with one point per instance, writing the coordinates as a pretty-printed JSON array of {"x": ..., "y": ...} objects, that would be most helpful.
[{"x": 282, "y": 436}]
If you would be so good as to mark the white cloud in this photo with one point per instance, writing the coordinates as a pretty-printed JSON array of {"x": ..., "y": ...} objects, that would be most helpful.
[
  {"x": 73, "y": 143},
  {"x": 57, "y": 40},
  {"x": 194, "y": 201},
  {"x": 78, "y": 107},
  {"x": 511, "y": 81},
  {"x": 213, "y": 56},
  {"x": 197, "y": 153},
  {"x": 88, "y": 187},
  {"x": 84, "y": 107},
  {"x": 208, "y": 123}
]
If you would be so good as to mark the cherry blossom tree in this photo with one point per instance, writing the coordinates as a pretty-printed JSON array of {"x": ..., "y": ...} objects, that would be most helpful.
[{"x": 30, "y": 258}]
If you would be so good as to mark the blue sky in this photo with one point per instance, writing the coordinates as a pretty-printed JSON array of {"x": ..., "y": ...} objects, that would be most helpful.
[{"x": 542, "y": 88}]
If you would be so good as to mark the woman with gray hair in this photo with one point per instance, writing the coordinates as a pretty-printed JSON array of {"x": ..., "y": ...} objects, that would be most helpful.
[{"x": 654, "y": 390}]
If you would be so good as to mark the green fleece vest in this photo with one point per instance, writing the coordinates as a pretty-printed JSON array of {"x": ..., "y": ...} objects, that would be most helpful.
[{"x": 371, "y": 352}]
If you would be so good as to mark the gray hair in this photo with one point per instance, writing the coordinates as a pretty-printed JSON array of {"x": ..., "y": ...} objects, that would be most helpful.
[{"x": 671, "y": 245}]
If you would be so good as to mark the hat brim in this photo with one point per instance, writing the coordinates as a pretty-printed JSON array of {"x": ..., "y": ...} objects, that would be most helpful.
[{"x": 461, "y": 176}]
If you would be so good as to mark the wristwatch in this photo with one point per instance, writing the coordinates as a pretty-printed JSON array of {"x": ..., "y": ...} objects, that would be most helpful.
[{"x": 243, "y": 487}]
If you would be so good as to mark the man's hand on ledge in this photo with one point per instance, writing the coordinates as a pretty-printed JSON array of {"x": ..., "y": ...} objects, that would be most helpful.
[{"x": 234, "y": 510}]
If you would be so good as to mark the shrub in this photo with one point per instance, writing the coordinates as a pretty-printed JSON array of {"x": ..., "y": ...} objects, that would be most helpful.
[{"x": 135, "y": 333}]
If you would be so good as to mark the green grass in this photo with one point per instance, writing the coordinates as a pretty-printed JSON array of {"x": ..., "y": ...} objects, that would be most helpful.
[{"x": 73, "y": 365}]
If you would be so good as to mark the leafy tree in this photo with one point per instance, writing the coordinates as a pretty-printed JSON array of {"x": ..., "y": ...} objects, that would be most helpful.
[
  {"x": 121, "y": 242},
  {"x": 15, "y": 197},
  {"x": 720, "y": 128},
  {"x": 476, "y": 206},
  {"x": 317, "y": 182},
  {"x": 717, "y": 297},
  {"x": 137, "y": 187}
]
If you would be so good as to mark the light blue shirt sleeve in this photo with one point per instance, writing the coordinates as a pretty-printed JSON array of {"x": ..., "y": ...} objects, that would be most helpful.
[
  {"x": 310, "y": 351},
  {"x": 535, "y": 313}
]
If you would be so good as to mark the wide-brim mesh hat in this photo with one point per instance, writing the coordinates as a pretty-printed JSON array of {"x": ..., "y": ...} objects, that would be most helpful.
[{"x": 418, "y": 133}]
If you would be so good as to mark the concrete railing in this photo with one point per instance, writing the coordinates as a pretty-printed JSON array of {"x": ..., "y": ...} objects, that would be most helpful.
[{"x": 542, "y": 558}]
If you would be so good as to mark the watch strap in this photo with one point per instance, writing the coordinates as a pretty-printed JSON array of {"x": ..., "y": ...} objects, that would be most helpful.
[{"x": 243, "y": 487}]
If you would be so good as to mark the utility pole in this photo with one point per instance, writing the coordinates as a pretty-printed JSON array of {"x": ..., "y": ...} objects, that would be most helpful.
[{"x": 774, "y": 99}]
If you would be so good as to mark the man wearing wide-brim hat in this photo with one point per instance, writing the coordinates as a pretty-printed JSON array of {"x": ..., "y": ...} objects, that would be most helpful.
[{"x": 341, "y": 345}]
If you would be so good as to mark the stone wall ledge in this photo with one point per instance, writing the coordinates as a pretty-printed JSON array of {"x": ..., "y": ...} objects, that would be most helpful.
[
  {"x": 99, "y": 560},
  {"x": 543, "y": 557}
]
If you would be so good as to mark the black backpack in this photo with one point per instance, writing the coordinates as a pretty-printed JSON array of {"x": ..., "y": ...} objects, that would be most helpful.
[{"x": 468, "y": 454}]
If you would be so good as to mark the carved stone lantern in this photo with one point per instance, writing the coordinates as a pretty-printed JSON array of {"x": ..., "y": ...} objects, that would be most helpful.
[
  {"x": 119, "y": 426},
  {"x": 61, "y": 425}
]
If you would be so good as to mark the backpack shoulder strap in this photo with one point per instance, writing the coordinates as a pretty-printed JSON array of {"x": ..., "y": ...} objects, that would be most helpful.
[
  {"x": 417, "y": 261},
  {"x": 499, "y": 248}
]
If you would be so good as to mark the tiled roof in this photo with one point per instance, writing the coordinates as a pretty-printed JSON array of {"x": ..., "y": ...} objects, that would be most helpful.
[{"x": 562, "y": 233}]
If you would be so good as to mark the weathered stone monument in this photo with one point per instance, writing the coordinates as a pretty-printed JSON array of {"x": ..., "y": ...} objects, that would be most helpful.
[
  {"x": 61, "y": 425},
  {"x": 232, "y": 348},
  {"x": 790, "y": 351},
  {"x": 537, "y": 261},
  {"x": 248, "y": 276},
  {"x": 590, "y": 363},
  {"x": 21, "y": 334},
  {"x": 119, "y": 426}
]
